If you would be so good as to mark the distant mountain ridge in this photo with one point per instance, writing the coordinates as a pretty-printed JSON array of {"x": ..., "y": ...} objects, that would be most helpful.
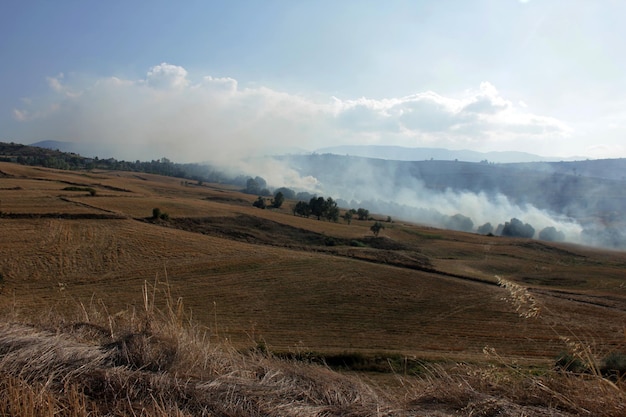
[
  {"x": 57, "y": 145},
  {"x": 83, "y": 149},
  {"x": 400, "y": 153}
]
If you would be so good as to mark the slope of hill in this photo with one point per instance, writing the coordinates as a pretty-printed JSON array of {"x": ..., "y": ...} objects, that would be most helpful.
[
  {"x": 290, "y": 280},
  {"x": 298, "y": 287},
  {"x": 589, "y": 208}
]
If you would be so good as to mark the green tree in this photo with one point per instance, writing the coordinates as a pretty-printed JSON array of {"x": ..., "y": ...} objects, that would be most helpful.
[
  {"x": 278, "y": 200},
  {"x": 331, "y": 211},
  {"x": 376, "y": 228},
  {"x": 302, "y": 209},
  {"x": 156, "y": 213},
  {"x": 347, "y": 216},
  {"x": 363, "y": 214},
  {"x": 317, "y": 207}
]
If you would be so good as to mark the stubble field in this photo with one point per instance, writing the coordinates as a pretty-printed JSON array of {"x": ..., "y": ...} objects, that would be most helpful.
[{"x": 298, "y": 285}]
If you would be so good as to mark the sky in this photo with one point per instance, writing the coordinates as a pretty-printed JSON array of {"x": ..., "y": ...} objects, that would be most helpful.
[{"x": 211, "y": 80}]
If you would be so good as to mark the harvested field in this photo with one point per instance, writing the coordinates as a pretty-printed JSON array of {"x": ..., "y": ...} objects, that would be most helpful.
[{"x": 294, "y": 284}]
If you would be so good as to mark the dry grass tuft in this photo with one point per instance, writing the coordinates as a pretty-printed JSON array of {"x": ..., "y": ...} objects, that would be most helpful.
[{"x": 525, "y": 304}]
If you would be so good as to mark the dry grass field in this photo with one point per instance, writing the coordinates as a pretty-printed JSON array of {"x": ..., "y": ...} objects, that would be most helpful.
[{"x": 265, "y": 278}]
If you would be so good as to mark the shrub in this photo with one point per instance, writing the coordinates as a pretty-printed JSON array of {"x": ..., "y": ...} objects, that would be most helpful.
[
  {"x": 259, "y": 203},
  {"x": 158, "y": 214},
  {"x": 571, "y": 363},
  {"x": 614, "y": 365},
  {"x": 90, "y": 190}
]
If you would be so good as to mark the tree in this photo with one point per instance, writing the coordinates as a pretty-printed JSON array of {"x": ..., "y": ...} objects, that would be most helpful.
[
  {"x": 363, "y": 214},
  {"x": 331, "y": 211},
  {"x": 288, "y": 193},
  {"x": 459, "y": 222},
  {"x": 303, "y": 195},
  {"x": 551, "y": 234},
  {"x": 256, "y": 185},
  {"x": 376, "y": 228},
  {"x": 515, "y": 228},
  {"x": 252, "y": 186},
  {"x": 485, "y": 229},
  {"x": 259, "y": 203},
  {"x": 317, "y": 207},
  {"x": 278, "y": 200},
  {"x": 347, "y": 216},
  {"x": 302, "y": 209}
]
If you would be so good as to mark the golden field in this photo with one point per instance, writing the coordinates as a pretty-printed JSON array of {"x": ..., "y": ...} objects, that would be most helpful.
[
  {"x": 416, "y": 291},
  {"x": 110, "y": 312}
]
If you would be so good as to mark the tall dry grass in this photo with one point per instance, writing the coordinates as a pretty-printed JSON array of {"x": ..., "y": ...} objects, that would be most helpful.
[{"x": 155, "y": 361}]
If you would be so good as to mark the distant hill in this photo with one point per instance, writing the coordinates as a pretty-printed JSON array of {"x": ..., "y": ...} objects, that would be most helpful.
[
  {"x": 56, "y": 145},
  {"x": 589, "y": 195},
  {"x": 74, "y": 147},
  {"x": 399, "y": 153}
]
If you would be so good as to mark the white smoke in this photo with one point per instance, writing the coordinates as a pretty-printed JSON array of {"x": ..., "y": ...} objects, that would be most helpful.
[{"x": 188, "y": 118}]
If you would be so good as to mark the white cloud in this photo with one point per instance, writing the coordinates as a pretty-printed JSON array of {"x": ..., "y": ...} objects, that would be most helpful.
[
  {"x": 167, "y": 114},
  {"x": 20, "y": 115},
  {"x": 166, "y": 75},
  {"x": 55, "y": 82},
  {"x": 227, "y": 84}
]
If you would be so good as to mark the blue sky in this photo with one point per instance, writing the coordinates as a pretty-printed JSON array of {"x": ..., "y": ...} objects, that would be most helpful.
[{"x": 199, "y": 80}]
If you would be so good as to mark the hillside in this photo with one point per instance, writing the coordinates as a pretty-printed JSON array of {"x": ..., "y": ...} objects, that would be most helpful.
[
  {"x": 300, "y": 287},
  {"x": 585, "y": 199}
]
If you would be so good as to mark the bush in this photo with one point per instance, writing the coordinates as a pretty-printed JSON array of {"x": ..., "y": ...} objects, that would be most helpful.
[
  {"x": 329, "y": 241},
  {"x": 158, "y": 214},
  {"x": 614, "y": 365},
  {"x": 90, "y": 190},
  {"x": 259, "y": 203},
  {"x": 571, "y": 363}
]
